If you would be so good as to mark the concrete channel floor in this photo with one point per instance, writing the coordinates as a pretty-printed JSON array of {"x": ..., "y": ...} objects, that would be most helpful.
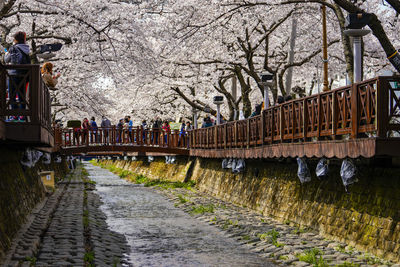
[{"x": 71, "y": 229}]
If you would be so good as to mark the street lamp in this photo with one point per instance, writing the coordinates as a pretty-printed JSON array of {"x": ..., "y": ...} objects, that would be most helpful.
[
  {"x": 194, "y": 110},
  {"x": 218, "y": 100},
  {"x": 355, "y": 24},
  {"x": 266, "y": 81},
  {"x": 46, "y": 51}
]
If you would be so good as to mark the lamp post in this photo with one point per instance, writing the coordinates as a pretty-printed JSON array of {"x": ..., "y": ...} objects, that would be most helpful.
[
  {"x": 218, "y": 100},
  {"x": 194, "y": 110},
  {"x": 266, "y": 81},
  {"x": 354, "y": 24}
]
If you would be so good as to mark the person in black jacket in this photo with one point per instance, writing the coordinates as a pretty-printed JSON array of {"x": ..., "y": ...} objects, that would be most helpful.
[{"x": 18, "y": 54}]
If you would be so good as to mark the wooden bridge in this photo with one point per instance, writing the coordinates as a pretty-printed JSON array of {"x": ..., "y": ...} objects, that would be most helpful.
[{"x": 360, "y": 120}]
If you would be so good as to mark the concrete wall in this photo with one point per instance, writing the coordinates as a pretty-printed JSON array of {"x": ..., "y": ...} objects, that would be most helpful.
[
  {"x": 20, "y": 190},
  {"x": 366, "y": 218}
]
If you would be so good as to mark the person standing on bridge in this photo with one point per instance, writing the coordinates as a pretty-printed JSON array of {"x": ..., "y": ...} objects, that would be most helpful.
[
  {"x": 18, "y": 54},
  {"x": 85, "y": 130},
  {"x": 166, "y": 131},
  {"x": 106, "y": 125},
  {"x": 93, "y": 128}
]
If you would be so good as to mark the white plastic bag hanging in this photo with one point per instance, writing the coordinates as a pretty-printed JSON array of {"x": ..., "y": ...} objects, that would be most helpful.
[
  {"x": 348, "y": 173},
  {"x": 58, "y": 159},
  {"x": 229, "y": 164},
  {"x": 30, "y": 157},
  {"x": 46, "y": 158},
  {"x": 172, "y": 159},
  {"x": 167, "y": 160},
  {"x": 322, "y": 169},
  {"x": 225, "y": 164},
  {"x": 134, "y": 158},
  {"x": 150, "y": 158},
  {"x": 233, "y": 165},
  {"x": 239, "y": 166},
  {"x": 303, "y": 172}
]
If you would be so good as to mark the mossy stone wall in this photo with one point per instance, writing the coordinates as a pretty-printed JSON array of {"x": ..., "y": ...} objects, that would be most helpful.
[
  {"x": 157, "y": 169},
  {"x": 20, "y": 190},
  {"x": 367, "y": 217}
]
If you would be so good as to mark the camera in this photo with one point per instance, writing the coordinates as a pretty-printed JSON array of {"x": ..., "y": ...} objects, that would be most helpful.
[
  {"x": 218, "y": 100},
  {"x": 357, "y": 20}
]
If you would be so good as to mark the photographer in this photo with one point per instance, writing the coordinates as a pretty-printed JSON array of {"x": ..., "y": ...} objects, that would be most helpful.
[{"x": 47, "y": 74}]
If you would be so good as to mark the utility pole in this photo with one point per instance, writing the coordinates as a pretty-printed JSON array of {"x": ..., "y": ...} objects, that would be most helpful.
[
  {"x": 289, "y": 74},
  {"x": 324, "y": 48},
  {"x": 234, "y": 95}
]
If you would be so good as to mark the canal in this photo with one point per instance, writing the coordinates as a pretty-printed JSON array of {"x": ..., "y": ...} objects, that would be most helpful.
[{"x": 158, "y": 233}]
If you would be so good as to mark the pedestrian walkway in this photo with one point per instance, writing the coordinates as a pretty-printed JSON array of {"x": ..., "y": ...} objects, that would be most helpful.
[{"x": 68, "y": 229}]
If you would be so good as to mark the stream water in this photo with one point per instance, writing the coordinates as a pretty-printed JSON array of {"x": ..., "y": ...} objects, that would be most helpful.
[{"x": 160, "y": 234}]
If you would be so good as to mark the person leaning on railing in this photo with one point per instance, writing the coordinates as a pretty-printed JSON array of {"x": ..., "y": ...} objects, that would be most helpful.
[
  {"x": 47, "y": 74},
  {"x": 18, "y": 54}
]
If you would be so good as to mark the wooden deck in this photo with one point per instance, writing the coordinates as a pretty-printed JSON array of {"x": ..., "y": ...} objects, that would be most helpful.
[{"x": 30, "y": 98}]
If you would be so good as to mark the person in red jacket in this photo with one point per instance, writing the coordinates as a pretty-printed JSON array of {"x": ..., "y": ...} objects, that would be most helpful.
[{"x": 166, "y": 131}]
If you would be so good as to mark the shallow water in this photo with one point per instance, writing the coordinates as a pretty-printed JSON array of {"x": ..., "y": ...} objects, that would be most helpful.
[{"x": 160, "y": 234}]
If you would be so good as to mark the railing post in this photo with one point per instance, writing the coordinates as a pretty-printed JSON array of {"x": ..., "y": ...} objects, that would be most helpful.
[
  {"x": 34, "y": 86},
  {"x": 216, "y": 137},
  {"x": 382, "y": 107},
  {"x": 3, "y": 91},
  {"x": 282, "y": 122},
  {"x": 248, "y": 133},
  {"x": 225, "y": 136},
  {"x": 334, "y": 114},
  {"x": 354, "y": 110},
  {"x": 262, "y": 126},
  {"x": 305, "y": 119},
  {"x": 319, "y": 108},
  {"x": 235, "y": 131}
]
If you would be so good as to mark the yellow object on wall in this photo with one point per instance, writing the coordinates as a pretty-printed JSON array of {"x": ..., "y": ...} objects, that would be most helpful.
[{"x": 47, "y": 178}]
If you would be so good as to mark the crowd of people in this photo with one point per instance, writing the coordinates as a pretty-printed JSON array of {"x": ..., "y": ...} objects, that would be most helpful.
[{"x": 155, "y": 132}]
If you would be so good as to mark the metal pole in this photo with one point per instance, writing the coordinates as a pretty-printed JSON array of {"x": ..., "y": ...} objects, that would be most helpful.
[
  {"x": 195, "y": 120},
  {"x": 266, "y": 97},
  {"x": 289, "y": 74},
  {"x": 218, "y": 115},
  {"x": 357, "y": 58},
  {"x": 325, "y": 48},
  {"x": 234, "y": 95}
]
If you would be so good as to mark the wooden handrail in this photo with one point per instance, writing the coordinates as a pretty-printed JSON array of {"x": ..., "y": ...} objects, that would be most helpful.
[
  {"x": 33, "y": 95},
  {"x": 369, "y": 108}
]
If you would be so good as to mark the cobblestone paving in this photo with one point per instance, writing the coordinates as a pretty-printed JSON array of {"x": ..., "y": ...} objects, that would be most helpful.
[
  {"x": 285, "y": 244},
  {"x": 56, "y": 235}
]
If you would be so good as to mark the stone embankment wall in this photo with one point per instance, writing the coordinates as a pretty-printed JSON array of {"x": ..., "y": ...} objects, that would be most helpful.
[
  {"x": 366, "y": 218},
  {"x": 20, "y": 190}
]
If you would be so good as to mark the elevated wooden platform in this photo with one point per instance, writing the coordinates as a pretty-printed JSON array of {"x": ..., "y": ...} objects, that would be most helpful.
[
  {"x": 28, "y": 134},
  {"x": 25, "y": 96}
]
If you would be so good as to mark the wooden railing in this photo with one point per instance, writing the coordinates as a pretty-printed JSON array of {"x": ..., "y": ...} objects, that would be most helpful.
[
  {"x": 24, "y": 95},
  {"x": 137, "y": 136},
  {"x": 367, "y": 109}
]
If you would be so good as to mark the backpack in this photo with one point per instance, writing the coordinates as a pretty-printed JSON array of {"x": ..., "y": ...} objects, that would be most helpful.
[{"x": 18, "y": 56}]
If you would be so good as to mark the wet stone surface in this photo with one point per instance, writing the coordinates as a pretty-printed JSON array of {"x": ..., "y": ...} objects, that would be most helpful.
[
  {"x": 283, "y": 243},
  {"x": 160, "y": 234}
]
